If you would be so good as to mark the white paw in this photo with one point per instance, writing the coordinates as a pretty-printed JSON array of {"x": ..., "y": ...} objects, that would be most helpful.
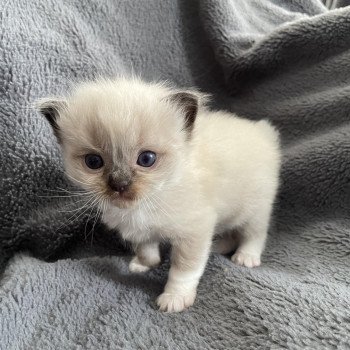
[
  {"x": 136, "y": 266},
  {"x": 246, "y": 259},
  {"x": 170, "y": 302}
]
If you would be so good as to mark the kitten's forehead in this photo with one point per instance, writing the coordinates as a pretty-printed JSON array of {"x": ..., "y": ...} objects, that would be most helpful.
[
  {"x": 122, "y": 114},
  {"x": 122, "y": 95}
]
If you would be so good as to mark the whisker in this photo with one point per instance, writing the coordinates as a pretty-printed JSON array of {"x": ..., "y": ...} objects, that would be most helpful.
[
  {"x": 159, "y": 206},
  {"x": 63, "y": 193},
  {"x": 144, "y": 208},
  {"x": 81, "y": 182},
  {"x": 87, "y": 221},
  {"x": 101, "y": 207},
  {"x": 159, "y": 202},
  {"x": 154, "y": 211},
  {"x": 99, "y": 211},
  {"x": 156, "y": 214},
  {"x": 75, "y": 210},
  {"x": 164, "y": 203},
  {"x": 76, "y": 216},
  {"x": 68, "y": 196},
  {"x": 66, "y": 190},
  {"x": 77, "y": 190}
]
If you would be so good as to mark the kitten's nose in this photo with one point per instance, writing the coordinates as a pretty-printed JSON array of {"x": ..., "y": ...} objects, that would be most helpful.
[{"x": 118, "y": 186}]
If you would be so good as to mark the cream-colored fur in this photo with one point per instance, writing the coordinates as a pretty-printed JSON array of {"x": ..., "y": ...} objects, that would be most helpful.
[{"x": 221, "y": 176}]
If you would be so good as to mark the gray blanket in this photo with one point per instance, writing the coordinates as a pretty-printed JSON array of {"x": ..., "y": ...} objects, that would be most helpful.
[{"x": 283, "y": 60}]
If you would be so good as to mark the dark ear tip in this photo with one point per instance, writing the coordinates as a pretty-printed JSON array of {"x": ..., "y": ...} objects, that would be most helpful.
[
  {"x": 50, "y": 108},
  {"x": 185, "y": 98},
  {"x": 189, "y": 103},
  {"x": 52, "y": 104}
]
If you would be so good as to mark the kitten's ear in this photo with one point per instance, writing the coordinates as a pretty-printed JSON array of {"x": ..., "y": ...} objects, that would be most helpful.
[
  {"x": 189, "y": 103},
  {"x": 51, "y": 108}
]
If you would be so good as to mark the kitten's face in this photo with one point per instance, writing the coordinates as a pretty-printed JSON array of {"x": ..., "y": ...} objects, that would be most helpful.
[{"x": 123, "y": 141}]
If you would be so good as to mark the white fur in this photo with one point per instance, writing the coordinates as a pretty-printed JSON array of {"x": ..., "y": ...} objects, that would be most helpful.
[
  {"x": 224, "y": 177},
  {"x": 229, "y": 180}
]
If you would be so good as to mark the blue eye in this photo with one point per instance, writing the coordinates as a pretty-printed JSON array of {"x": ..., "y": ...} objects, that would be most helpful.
[
  {"x": 93, "y": 161},
  {"x": 146, "y": 159}
]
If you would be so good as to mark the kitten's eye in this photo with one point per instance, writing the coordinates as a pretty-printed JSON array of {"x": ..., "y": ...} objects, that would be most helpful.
[
  {"x": 146, "y": 159},
  {"x": 93, "y": 161}
]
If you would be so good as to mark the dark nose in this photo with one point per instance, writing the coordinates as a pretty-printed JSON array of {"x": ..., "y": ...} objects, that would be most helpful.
[{"x": 118, "y": 186}]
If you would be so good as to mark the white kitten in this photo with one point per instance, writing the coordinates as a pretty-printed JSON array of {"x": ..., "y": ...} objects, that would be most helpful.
[{"x": 163, "y": 167}]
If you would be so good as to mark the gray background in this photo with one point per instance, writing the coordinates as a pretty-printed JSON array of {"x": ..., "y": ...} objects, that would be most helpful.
[{"x": 284, "y": 60}]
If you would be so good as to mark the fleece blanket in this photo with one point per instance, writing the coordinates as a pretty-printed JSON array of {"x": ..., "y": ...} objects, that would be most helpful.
[{"x": 283, "y": 60}]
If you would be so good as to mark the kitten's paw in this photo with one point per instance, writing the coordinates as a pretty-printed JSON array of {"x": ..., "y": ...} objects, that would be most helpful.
[
  {"x": 246, "y": 259},
  {"x": 135, "y": 266},
  {"x": 169, "y": 302}
]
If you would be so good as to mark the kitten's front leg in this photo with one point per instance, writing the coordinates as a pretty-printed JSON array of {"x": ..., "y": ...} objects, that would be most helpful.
[
  {"x": 147, "y": 256},
  {"x": 188, "y": 261}
]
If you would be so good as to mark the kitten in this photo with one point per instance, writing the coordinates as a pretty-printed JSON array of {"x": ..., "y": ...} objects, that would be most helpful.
[{"x": 164, "y": 167}]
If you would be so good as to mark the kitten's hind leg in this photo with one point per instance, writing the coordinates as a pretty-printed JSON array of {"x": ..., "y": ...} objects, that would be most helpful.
[
  {"x": 147, "y": 256},
  {"x": 224, "y": 244},
  {"x": 252, "y": 240}
]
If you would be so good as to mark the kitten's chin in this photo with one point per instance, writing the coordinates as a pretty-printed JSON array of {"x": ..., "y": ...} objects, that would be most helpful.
[{"x": 122, "y": 203}]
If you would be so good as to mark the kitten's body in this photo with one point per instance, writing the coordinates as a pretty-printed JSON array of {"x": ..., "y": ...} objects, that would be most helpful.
[
  {"x": 228, "y": 173},
  {"x": 217, "y": 173}
]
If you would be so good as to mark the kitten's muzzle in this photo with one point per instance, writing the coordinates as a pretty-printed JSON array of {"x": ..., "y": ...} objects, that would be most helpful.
[{"x": 119, "y": 186}]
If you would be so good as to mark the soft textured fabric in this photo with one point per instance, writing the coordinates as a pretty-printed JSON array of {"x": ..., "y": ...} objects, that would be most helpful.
[
  {"x": 283, "y": 60},
  {"x": 332, "y": 4}
]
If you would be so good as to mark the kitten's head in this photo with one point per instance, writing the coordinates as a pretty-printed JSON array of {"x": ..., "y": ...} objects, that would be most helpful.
[{"x": 123, "y": 140}]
